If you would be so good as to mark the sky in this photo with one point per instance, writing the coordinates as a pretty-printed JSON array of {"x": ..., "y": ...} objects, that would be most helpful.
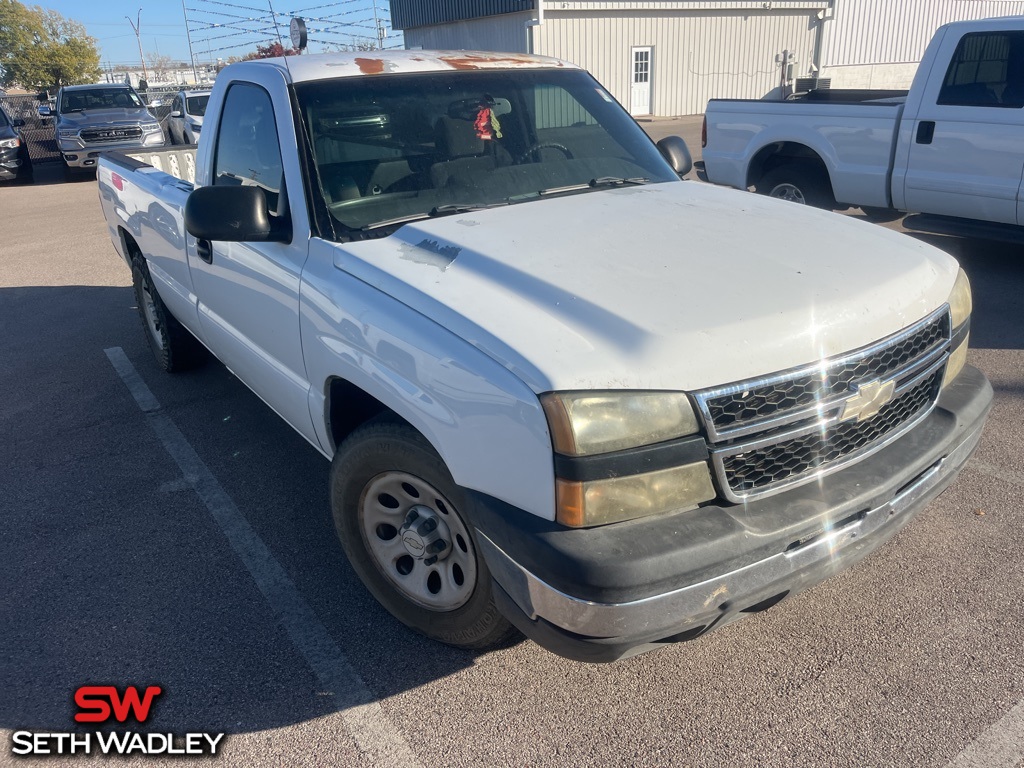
[{"x": 163, "y": 31}]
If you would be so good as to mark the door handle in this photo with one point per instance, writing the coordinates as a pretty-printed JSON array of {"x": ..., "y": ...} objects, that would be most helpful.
[
  {"x": 204, "y": 251},
  {"x": 925, "y": 131}
]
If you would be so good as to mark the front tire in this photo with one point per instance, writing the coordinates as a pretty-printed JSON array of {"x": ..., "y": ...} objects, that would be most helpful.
[
  {"x": 397, "y": 513},
  {"x": 798, "y": 183},
  {"x": 26, "y": 174},
  {"x": 174, "y": 348}
]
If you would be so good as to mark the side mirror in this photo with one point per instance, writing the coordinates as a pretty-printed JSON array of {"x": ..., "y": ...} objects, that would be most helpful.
[
  {"x": 18, "y": 122},
  {"x": 674, "y": 150},
  {"x": 230, "y": 214},
  {"x": 175, "y": 113},
  {"x": 44, "y": 110}
]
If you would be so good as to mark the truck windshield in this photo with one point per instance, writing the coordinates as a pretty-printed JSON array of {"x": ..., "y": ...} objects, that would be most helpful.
[
  {"x": 396, "y": 148},
  {"x": 99, "y": 98},
  {"x": 196, "y": 105}
]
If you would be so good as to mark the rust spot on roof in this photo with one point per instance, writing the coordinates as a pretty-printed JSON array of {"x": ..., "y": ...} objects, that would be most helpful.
[
  {"x": 471, "y": 61},
  {"x": 370, "y": 66}
]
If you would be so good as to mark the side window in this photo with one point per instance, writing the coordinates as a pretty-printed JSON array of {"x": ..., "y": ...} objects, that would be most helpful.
[
  {"x": 555, "y": 107},
  {"x": 248, "y": 152},
  {"x": 987, "y": 70}
]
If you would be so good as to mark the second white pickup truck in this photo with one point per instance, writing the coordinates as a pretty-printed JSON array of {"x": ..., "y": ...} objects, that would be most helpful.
[
  {"x": 561, "y": 389},
  {"x": 951, "y": 147}
]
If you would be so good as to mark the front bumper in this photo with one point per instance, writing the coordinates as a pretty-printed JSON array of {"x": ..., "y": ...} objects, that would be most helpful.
[
  {"x": 77, "y": 155},
  {"x": 603, "y": 593},
  {"x": 10, "y": 163}
]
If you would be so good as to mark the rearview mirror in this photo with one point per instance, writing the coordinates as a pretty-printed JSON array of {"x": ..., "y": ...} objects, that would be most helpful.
[
  {"x": 674, "y": 149},
  {"x": 231, "y": 214}
]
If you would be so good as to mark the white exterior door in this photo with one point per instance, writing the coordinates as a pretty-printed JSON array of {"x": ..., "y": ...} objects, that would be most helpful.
[{"x": 640, "y": 92}]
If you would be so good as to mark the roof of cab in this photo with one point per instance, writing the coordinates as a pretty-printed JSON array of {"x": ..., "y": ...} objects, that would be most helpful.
[
  {"x": 93, "y": 86},
  {"x": 333, "y": 65}
]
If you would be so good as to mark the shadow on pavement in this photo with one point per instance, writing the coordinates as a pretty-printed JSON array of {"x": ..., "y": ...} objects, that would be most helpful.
[{"x": 115, "y": 572}]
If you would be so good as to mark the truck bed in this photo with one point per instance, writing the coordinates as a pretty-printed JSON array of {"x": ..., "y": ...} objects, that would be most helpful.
[
  {"x": 179, "y": 162},
  {"x": 856, "y": 141}
]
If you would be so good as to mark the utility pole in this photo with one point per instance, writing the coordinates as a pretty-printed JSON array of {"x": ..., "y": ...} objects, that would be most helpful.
[
  {"x": 135, "y": 28},
  {"x": 188, "y": 34},
  {"x": 379, "y": 28}
]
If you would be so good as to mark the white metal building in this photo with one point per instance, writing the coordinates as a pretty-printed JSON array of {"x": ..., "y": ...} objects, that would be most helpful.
[{"x": 668, "y": 57}]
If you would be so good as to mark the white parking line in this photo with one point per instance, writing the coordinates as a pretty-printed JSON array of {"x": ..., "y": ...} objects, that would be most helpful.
[
  {"x": 1000, "y": 746},
  {"x": 375, "y": 736}
]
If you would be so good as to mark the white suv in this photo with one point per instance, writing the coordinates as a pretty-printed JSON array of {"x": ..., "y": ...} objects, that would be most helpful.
[{"x": 186, "y": 118}]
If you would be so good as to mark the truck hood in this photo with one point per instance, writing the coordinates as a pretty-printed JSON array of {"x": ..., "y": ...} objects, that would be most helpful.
[
  {"x": 91, "y": 117},
  {"x": 673, "y": 286}
]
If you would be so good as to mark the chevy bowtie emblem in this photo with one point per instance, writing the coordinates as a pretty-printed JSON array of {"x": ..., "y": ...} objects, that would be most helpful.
[{"x": 868, "y": 401}]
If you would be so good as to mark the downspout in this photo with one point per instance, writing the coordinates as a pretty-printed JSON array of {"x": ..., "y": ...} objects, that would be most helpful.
[
  {"x": 531, "y": 25},
  {"x": 819, "y": 37}
]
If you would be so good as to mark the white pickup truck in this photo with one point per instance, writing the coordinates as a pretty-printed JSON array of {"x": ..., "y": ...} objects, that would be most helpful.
[
  {"x": 561, "y": 389},
  {"x": 951, "y": 147}
]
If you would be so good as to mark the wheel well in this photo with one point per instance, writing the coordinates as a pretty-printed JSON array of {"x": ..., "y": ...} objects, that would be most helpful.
[
  {"x": 774, "y": 155},
  {"x": 131, "y": 248},
  {"x": 348, "y": 407}
]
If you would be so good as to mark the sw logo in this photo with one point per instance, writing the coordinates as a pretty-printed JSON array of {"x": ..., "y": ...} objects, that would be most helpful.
[
  {"x": 98, "y": 703},
  {"x": 107, "y": 704}
]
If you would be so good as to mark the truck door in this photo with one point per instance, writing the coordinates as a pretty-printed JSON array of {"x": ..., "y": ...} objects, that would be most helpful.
[
  {"x": 966, "y": 152},
  {"x": 248, "y": 293}
]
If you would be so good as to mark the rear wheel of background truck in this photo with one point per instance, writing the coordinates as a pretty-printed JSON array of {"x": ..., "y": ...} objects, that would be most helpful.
[
  {"x": 397, "y": 513},
  {"x": 798, "y": 183},
  {"x": 175, "y": 348}
]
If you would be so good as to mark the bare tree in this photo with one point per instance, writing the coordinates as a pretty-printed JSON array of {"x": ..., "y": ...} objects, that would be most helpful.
[{"x": 161, "y": 66}]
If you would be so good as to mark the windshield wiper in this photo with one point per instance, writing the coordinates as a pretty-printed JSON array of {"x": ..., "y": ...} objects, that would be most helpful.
[
  {"x": 617, "y": 181},
  {"x": 449, "y": 208},
  {"x": 438, "y": 210},
  {"x": 601, "y": 181}
]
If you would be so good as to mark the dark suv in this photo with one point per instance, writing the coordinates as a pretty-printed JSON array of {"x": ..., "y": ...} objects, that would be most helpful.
[{"x": 14, "y": 160}]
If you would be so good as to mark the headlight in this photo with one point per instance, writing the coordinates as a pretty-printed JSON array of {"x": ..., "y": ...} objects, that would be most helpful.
[
  {"x": 585, "y": 423},
  {"x": 960, "y": 306},
  {"x": 10, "y": 143},
  {"x": 599, "y": 502},
  {"x": 960, "y": 302},
  {"x": 151, "y": 127},
  {"x": 68, "y": 133}
]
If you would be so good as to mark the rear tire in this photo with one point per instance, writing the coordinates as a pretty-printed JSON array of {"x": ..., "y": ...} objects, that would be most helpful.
[
  {"x": 174, "y": 348},
  {"x": 388, "y": 485},
  {"x": 798, "y": 183}
]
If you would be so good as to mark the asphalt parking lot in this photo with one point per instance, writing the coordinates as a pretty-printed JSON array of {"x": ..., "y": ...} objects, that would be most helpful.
[{"x": 188, "y": 544}]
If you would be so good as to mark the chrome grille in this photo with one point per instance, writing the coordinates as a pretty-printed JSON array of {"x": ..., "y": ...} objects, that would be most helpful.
[
  {"x": 770, "y": 433},
  {"x": 778, "y": 462},
  {"x": 763, "y": 402},
  {"x": 107, "y": 135}
]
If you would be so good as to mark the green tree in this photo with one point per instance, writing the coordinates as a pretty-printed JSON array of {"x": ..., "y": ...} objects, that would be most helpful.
[{"x": 41, "y": 48}]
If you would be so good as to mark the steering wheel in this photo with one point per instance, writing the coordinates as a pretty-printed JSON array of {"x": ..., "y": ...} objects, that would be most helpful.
[{"x": 544, "y": 145}]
